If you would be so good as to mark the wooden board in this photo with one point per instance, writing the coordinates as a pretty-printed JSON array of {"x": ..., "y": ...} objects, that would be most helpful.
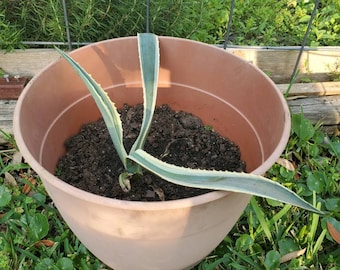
[
  {"x": 320, "y": 110},
  {"x": 6, "y": 114},
  {"x": 27, "y": 62},
  {"x": 320, "y": 102},
  {"x": 311, "y": 89},
  {"x": 324, "y": 110},
  {"x": 315, "y": 65},
  {"x": 320, "y": 65}
]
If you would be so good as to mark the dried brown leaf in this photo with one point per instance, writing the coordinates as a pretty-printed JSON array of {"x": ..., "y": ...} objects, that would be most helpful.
[
  {"x": 44, "y": 242},
  {"x": 16, "y": 158},
  {"x": 286, "y": 163},
  {"x": 159, "y": 192},
  {"x": 333, "y": 232},
  {"x": 27, "y": 187},
  {"x": 10, "y": 180},
  {"x": 289, "y": 256}
]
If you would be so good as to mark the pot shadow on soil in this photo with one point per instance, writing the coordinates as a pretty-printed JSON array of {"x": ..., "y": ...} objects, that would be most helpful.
[{"x": 92, "y": 164}]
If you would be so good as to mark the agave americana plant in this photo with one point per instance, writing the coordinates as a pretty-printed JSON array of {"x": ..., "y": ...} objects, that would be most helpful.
[{"x": 137, "y": 158}]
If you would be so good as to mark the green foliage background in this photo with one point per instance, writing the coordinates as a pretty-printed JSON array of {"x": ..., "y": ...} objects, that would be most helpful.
[{"x": 255, "y": 22}]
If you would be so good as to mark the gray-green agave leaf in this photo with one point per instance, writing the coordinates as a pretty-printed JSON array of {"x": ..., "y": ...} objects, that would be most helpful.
[
  {"x": 148, "y": 49},
  {"x": 106, "y": 106},
  {"x": 220, "y": 180}
]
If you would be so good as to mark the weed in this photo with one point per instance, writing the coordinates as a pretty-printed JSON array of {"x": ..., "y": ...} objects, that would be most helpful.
[{"x": 334, "y": 70}]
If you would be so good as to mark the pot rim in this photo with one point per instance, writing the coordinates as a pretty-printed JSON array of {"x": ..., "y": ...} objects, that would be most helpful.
[{"x": 180, "y": 203}]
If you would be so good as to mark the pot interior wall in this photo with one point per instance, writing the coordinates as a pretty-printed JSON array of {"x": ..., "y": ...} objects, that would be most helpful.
[
  {"x": 227, "y": 93},
  {"x": 213, "y": 111}
]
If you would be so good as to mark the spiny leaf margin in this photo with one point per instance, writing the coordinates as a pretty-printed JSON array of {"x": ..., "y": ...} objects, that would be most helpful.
[
  {"x": 148, "y": 49},
  {"x": 106, "y": 106},
  {"x": 220, "y": 180}
]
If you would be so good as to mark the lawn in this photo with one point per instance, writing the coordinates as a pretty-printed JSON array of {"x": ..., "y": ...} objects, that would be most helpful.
[{"x": 269, "y": 235}]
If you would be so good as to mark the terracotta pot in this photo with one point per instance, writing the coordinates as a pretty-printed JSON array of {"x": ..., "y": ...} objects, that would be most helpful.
[{"x": 231, "y": 95}]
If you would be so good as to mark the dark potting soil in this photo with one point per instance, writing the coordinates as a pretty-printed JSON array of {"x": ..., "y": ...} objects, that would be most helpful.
[{"x": 92, "y": 164}]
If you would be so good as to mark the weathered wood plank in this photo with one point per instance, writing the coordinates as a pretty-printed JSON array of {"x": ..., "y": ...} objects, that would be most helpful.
[
  {"x": 6, "y": 114},
  {"x": 312, "y": 89},
  {"x": 278, "y": 64},
  {"x": 27, "y": 62},
  {"x": 324, "y": 110}
]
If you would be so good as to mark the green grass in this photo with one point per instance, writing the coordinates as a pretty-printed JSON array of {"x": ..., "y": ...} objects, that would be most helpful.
[
  {"x": 32, "y": 232},
  {"x": 268, "y": 230},
  {"x": 255, "y": 22},
  {"x": 269, "y": 235}
]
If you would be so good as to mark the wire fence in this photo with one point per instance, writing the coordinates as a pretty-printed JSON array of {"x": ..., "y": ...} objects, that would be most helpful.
[
  {"x": 147, "y": 12},
  {"x": 225, "y": 44},
  {"x": 77, "y": 23}
]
